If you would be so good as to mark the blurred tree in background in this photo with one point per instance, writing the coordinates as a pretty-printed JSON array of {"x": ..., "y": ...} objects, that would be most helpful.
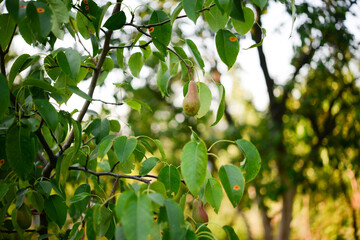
[{"x": 308, "y": 137}]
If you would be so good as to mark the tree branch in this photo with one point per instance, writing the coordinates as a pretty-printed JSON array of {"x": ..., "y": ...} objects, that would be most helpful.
[
  {"x": 45, "y": 145},
  {"x": 256, "y": 36},
  {"x": 99, "y": 174},
  {"x": 166, "y": 21},
  {"x": 95, "y": 77}
]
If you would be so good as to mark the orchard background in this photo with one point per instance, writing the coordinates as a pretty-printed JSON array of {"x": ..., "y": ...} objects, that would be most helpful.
[{"x": 123, "y": 161}]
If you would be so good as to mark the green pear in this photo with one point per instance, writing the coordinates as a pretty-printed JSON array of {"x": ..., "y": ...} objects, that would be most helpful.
[
  {"x": 191, "y": 103},
  {"x": 199, "y": 213},
  {"x": 23, "y": 216}
]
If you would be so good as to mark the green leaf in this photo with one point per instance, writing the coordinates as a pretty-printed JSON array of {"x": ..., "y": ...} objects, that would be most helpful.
[
  {"x": 116, "y": 21},
  {"x": 242, "y": 27},
  {"x": 205, "y": 100},
  {"x": 102, "y": 217},
  {"x": 176, "y": 12},
  {"x": 14, "y": 9},
  {"x": 136, "y": 62},
  {"x": 4, "y": 96},
  {"x": 120, "y": 204},
  {"x": 124, "y": 147},
  {"x": 105, "y": 145},
  {"x": 4, "y": 188},
  {"x": 108, "y": 64},
  {"x": 44, "y": 188},
  {"x": 145, "y": 50},
  {"x": 195, "y": 52},
  {"x": 84, "y": 25},
  {"x": 161, "y": 35},
  {"x": 70, "y": 62},
  {"x": 138, "y": 217},
  {"x": 60, "y": 15},
  {"x": 79, "y": 197},
  {"x": 230, "y": 232},
  {"x": 56, "y": 209},
  {"x": 233, "y": 182},
  {"x": 66, "y": 161},
  {"x": 260, "y": 3},
  {"x": 163, "y": 77},
  {"x": 36, "y": 200},
  {"x": 227, "y": 46},
  {"x": 20, "y": 150},
  {"x": 44, "y": 14},
  {"x": 221, "y": 109},
  {"x": 215, "y": 18},
  {"x": 184, "y": 69},
  {"x": 225, "y": 6},
  {"x": 99, "y": 128},
  {"x": 170, "y": 177},
  {"x": 175, "y": 218},
  {"x": 161, "y": 149},
  {"x": 252, "y": 159},
  {"x": 156, "y": 198},
  {"x": 133, "y": 104},
  {"x": 32, "y": 19},
  {"x": 263, "y": 31},
  {"x": 193, "y": 165},
  {"x": 77, "y": 135},
  {"x": 114, "y": 126},
  {"x": 51, "y": 67},
  {"x": 41, "y": 84},
  {"x": 79, "y": 92},
  {"x": 120, "y": 57},
  {"x": 7, "y": 27},
  {"x": 47, "y": 112},
  {"x": 17, "y": 67},
  {"x": 26, "y": 31},
  {"x": 192, "y": 8},
  {"x": 79, "y": 206},
  {"x": 213, "y": 193},
  {"x": 148, "y": 165},
  {"x": 99, "y": 15},
  {"x": 237, "y": 10}
]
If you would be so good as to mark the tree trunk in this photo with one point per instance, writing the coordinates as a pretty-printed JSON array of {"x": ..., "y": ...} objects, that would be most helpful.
[
  {"x": 286, "y": 213},
  {"x": 268, "y": 231}
]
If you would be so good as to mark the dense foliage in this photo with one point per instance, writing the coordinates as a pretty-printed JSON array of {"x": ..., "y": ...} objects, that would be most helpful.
[{"x": 68, "y": 178}]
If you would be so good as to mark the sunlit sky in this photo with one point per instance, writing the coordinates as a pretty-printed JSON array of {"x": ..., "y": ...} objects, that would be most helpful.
[{"x": 277, "y": 47}]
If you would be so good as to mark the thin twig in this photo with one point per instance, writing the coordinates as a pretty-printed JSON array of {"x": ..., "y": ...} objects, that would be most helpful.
[
  {"x": 41, "y": 158},
  {"x": 156, "y": 177},
  {"x": 53, "y": 136},
  {"x": 116, "y": 104},
  {"x": 12, "y": 37},
  {"x": 99, "y": 174},
  {"x": 112, "y": 191},
  {"x": 183, "y": 60},
  {"x": 44, "y": 143},
  {"x": 112, "y": 169},
  {"x": 131, "y": 46}
]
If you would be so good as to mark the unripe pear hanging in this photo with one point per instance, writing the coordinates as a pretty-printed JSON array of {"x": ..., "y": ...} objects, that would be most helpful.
[{"x": 191, "y": 103}]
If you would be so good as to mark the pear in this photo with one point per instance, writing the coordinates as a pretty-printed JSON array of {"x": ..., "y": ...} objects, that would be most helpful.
[
  {"x": 191, "y": 103},
  {"x": 199, "y": 213},
  {"x": 23, "y": 216}
]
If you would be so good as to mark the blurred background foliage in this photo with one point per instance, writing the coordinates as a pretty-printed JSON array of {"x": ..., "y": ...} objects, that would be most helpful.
[{"x": 308, "y": 137}]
